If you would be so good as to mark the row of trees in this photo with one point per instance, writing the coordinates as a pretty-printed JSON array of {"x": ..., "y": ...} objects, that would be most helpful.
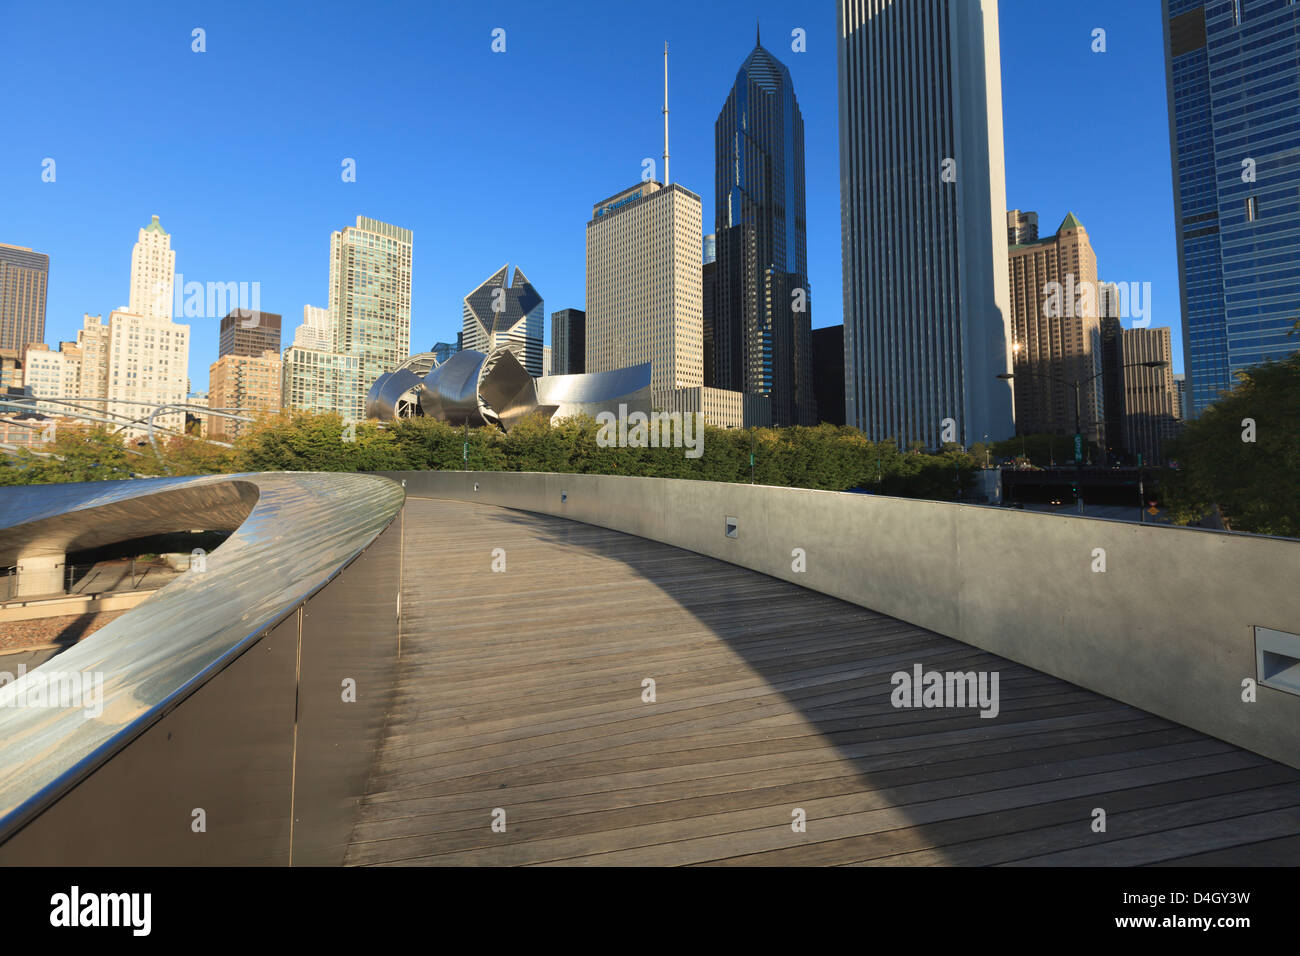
[
  {"x": 1240, "y": 457},
  {"x": 825, "y": 457}
]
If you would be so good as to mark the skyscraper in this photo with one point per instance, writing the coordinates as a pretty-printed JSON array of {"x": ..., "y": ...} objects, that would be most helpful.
[
  {"x": 1112, "y": 379},
  {"x": 370, "y": 298},
  {"x": 1056, "y": 333},
  {"x": 643, "y": 284},
  {"x": 513, "y": 316},
  {"x": 828, "y": 373},
  {"x": 24, "y": 278},
  {"x": 246, "y": 332},
  {"x": 1232, "y": 69},
  {"x": 93, "y": 339},
  {"x": 148, "y": 353},
  {"x": 1148, "y": 392},
  {"x": 153, "y": 272},
  {"x": 568, "y": 342},
  {"x": 759, "y": 331},
  {"x": 923, "y": 211}
]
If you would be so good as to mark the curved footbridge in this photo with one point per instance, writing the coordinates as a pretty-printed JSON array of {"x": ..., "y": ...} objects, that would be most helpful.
[{"x": 622, "y": 671}]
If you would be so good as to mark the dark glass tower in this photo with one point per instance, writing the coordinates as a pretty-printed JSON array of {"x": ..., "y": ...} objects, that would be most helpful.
[
  {"x": 1233, "y": 67},
  {"x": 568, "y": 342},
  {"x": 759, "y": 332}
]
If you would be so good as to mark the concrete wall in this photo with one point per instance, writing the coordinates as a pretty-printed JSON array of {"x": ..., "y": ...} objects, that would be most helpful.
[{"x": 1167, "y": 627}]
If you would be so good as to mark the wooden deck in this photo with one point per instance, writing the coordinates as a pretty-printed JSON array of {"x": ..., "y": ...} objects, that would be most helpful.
[{"x": 522, "y": 691}]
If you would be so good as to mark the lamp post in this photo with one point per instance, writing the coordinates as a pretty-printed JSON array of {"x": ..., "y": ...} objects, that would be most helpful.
[{"x": 1078, "y": 384}]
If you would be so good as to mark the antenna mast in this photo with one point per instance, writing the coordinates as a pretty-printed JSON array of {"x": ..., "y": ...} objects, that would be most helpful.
[{"x": 666, "y": 179}]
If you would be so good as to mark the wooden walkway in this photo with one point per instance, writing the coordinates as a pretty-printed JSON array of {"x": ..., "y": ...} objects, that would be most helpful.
[{"x": 522, "y": 691}]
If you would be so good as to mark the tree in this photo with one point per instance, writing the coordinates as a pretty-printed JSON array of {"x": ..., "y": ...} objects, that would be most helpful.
[
  {"x": 1255, "y": 483},
  {"x": 76, "y": 454}
]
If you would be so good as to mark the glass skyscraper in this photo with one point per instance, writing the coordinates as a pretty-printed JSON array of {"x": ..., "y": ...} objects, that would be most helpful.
[
  {"x": 1233, "y": 69},
  {"x": 759, "y": 330}
]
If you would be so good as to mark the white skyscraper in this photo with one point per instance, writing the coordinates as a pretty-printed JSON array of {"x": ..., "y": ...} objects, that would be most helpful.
[
  {"x": 153, "y": 271},
  {"x": 148, "y": 353},
  {"x": 923, "y": 214}
]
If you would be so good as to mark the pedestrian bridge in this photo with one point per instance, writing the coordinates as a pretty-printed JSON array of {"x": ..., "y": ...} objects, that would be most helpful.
[{"x": 509, "y": 669}]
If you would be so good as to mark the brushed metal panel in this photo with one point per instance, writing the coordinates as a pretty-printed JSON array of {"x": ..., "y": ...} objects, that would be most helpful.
[
  {"x": 350, "y": 631},
  {"x": 301, "y": 531},
  {"x": 450, "y": 391},
  {"x": 228, "y": 750}
]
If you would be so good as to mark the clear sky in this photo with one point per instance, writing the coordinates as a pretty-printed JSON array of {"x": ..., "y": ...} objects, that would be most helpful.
[{"x": 497, "y": 157}]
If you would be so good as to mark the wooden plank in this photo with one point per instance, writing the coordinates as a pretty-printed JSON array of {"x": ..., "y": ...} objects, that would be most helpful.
[{"x": 523, "y": 691}]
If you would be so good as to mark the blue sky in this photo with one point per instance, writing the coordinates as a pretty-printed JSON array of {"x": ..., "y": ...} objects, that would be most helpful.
[{"x": 498, "y": 157}]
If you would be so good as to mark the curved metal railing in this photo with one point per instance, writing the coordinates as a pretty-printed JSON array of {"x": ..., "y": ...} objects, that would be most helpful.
[{"x": 292, "y": 535}]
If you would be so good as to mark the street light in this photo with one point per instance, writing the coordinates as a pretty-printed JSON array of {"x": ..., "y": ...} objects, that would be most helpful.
[{"x": 1078, "y": 384}]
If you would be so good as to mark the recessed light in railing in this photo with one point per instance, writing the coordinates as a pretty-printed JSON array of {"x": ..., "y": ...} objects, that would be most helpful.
[
  {"x": 731, "y": 528},
  {"x": 1277, "y": 659}
]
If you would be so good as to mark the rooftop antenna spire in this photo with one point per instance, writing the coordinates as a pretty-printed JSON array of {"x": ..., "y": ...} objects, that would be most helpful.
[
  {"x": 758, "y": 34},
  {"x": 666, "y": 180}
]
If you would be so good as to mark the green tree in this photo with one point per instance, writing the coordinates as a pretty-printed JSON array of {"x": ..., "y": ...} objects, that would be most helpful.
[
  {"x": 1256, "y": 484},
  {"x": 76, "y": 454}
]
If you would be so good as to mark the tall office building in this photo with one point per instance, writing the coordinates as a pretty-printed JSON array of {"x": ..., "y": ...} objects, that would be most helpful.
[
  {"x": 370, "y": 297},
  {"x": 513, "y": 316},
  {"x": 568, "y": 342},
  {"x": 1148, "y": 393},
  {"x": 828, "y": 373},
  {"x": 245, "y": 332},
  {"x": 93, "y": 339},
  {"x": 1232, "y": 69},
  {"x": 1180, "y": 396},
  {"x": 248, "y": 384},
  {"x": 1056, "y": 334},
  {"x": 759, "y": 331},
  {"x": 1022, "y": 227},
  {"x": 644, "y": 284},
  {"x": 923, "y": 213},
  {"x": 153, "y": 272},
  {"x": 316, "y": 331},
  {"x": 24, "y": 281},
  {"x": 1112, "y": 379},
  {"x": 147, "y": 361}
]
